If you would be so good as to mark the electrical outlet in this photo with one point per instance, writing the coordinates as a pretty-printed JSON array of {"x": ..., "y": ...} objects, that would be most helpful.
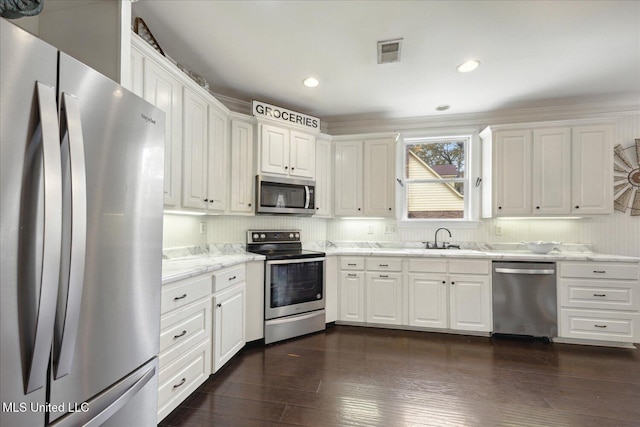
[
  {"x": 390, "y": 229},
  {"x": 203, "y": 227},
  {"x": 370, "y": 229},
  {"x": 498, "y": 230}
]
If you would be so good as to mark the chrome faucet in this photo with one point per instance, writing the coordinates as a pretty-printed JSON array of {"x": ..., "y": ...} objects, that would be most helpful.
[{"x": 435, "y": 239}]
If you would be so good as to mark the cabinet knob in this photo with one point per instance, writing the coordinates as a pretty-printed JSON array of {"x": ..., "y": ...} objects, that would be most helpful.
[
  {"x": 444, "y": 281},
  {"x": 286, "y": 167},
  {"x": 499, "y": 207},
  {"x": 219, "y": 304},
  {"x": 389, "y": 208},
  {"x": 453, "y": 283},
  {"x": 249, "y": 205},
  {"x": 292, "y": 168},
  {"x": 537, "y": 207},
  {"x": 206, "y": 200},
  {"x": 577, "y": 207},
  {"x": 359, "y": 209}
]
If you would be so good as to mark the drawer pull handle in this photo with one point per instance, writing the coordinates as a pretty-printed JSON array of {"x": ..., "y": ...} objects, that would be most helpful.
[
  {"x": 184, "y": 380},
  {"x": 180, "y": 297},
  {"x": 175, "y": 337},
  {"x": 352, "y": 265},
  {"x": 600, "y": 326},
  {"x": 599, "y": 295},
  {"x": 384, "y": 276},
  {"x": 352, "y": 275},
  {"x": 232, "y": 278},
  {"x": 599, "y": 271},
  {"x": 383, "y": 265}
]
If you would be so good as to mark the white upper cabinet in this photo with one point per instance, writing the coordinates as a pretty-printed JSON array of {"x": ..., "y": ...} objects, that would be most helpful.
[
  {"x": 285, "y": 152},
  {"x": 218, "y": 158},
  {"x": 324, "y": 178},
  {"x": 592, "y": 160},
  {"x": 547, "y": 170},
  {"x": 194, "y": 151},
  {"x": 365, "y": 178},
  {"x": 241, "y": 174}
]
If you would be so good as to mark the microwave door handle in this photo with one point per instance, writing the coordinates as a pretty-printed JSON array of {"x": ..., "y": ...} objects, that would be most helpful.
[
  {"x": 52, "y": 235},
  {"x": 308, "y": 197}
]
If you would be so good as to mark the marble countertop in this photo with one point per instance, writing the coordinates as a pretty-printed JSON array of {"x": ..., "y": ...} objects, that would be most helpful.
[{"x": 182, "y": 263}]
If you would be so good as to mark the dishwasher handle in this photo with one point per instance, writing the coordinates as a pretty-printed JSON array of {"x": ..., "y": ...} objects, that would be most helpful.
[{"x": 524, "y": 271}]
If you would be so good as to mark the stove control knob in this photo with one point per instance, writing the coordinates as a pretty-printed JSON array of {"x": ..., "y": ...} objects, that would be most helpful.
[
  {"x": 255, "y": 236},
  {"x": 297, "y": 236},
  {"x": 262, "y": 236},
  {"x": 291, "y": 235}
]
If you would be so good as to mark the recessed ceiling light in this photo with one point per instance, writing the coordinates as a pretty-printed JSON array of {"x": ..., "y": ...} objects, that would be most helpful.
[
  {"x": 310, "y": 82},
  {"x": 468, "y": 66},
  {"x": 442, "y": 107}
]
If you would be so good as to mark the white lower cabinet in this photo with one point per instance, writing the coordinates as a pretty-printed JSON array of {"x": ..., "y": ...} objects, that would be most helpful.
[
  {"x": 599, "y": 301},
  {"x": 229, "y": 306},
  {"x": 185, "y": 340},
  {"x": 434, "y": 293},
  {"x": 450, "y": 294}
]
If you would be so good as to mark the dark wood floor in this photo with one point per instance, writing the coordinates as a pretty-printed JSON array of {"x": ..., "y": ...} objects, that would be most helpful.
[{"x": 350, "y": 376}]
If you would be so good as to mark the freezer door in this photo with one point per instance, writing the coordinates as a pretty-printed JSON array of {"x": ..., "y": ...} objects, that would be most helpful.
[
  {"x": 117, "y": 327},
  {"x": 28, "y": 274}
]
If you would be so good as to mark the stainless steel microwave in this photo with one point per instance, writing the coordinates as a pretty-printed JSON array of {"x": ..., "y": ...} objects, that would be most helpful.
[{"x": 276, "y": 195}]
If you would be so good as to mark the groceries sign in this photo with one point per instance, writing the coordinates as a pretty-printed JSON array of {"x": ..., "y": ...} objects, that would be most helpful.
[{"x": 260, "y": 109}]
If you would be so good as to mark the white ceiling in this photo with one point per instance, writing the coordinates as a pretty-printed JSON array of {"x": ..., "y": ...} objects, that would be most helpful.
[{"x": 532, "y": 53}]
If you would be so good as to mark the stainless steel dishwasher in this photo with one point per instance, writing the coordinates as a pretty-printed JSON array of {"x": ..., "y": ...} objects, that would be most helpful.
[{"x": 524, "y": 299}]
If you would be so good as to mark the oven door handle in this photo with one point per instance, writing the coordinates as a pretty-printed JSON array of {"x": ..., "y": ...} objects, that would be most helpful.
[
  {"x": 295, "y": 260},
  {"x": 307, "y": 197}
]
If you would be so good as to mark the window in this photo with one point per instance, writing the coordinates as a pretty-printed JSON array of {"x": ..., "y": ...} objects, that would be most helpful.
[{"x": 436, "y": 178}]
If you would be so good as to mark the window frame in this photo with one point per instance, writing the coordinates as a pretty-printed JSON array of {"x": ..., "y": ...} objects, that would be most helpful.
[{"x": 471, "y": 180}]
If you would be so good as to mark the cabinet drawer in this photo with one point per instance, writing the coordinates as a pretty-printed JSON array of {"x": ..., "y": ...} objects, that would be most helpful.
[
  {"x": 463, "y": 266},
  {"x": 228, "y": 277},
  {"x": 601, "y": 270},
  {"x": 384, "y": 264},
  {"x": 351, "y": 263},
  {"x": 424, "y": 265},
  {"x": 596, "y": 325},
  {"x": 182, "y": 377},
  {"x": 600, "y": 294},
  {"x": 185, "y": 292},
  {"x": 182, "y": 329}
]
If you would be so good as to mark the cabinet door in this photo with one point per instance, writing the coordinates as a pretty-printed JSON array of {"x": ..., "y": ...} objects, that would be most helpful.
[
  {"x": 352, "y": 296},
  {"x": 194, "y": 151},
  {"x": 384, "y": 298},
  {"x": 470, "y": 303},
  {"x": 229, "y": 322},
  {"x": 379, "y": 178},
  {"x": 302, "y": 155},
  {"x": 551, "y": 171},
  {"x": 324, "y": 178},
  {"x": 165, "y": 92},
  {"x": 592, "y": 180},
  {"x": 428, "y": 301},
  {"x": 242, "y": 178},
  {"x": 512, "y": 169},
  {"x": 274, "y": 150},
  {"x": 348, "y": 178},
  {"x": 136, "y": 76},
  {"x": 218, "y": 157}
]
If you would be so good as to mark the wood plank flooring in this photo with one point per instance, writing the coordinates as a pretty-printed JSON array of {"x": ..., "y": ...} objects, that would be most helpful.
[{"x": 354, "y": 376}]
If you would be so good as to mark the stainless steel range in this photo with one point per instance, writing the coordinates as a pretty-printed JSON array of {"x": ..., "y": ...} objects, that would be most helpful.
[{"x": 294, "y": 284}]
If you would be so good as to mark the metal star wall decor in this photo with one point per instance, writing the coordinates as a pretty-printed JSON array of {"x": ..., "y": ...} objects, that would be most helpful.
[{"x": 626, "y": 178}]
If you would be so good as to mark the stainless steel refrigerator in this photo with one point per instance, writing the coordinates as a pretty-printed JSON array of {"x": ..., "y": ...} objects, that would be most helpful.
[{"x": 81, "y": 211}]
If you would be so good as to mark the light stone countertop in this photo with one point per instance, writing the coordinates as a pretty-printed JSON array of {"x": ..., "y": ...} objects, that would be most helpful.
[{"x": 182, "y": 263}]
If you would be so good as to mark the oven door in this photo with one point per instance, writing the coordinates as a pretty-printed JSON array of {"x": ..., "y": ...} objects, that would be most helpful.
[{"x": 293, "y": 286}]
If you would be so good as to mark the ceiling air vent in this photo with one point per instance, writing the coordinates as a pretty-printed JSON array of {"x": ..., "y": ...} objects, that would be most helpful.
[{"x": 389, "y": 51}]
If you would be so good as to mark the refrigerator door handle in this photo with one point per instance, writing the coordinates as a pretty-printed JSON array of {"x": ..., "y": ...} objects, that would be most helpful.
[
  {"x": 96, "y": 412},
  {"x": 37, "y": 375},
  {"x": 72, "y": 280}
]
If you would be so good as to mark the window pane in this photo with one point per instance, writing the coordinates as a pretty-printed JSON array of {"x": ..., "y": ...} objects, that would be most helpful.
[
  {"x": 434, "y": 200},
  {"x": 435, "y": 160}
]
